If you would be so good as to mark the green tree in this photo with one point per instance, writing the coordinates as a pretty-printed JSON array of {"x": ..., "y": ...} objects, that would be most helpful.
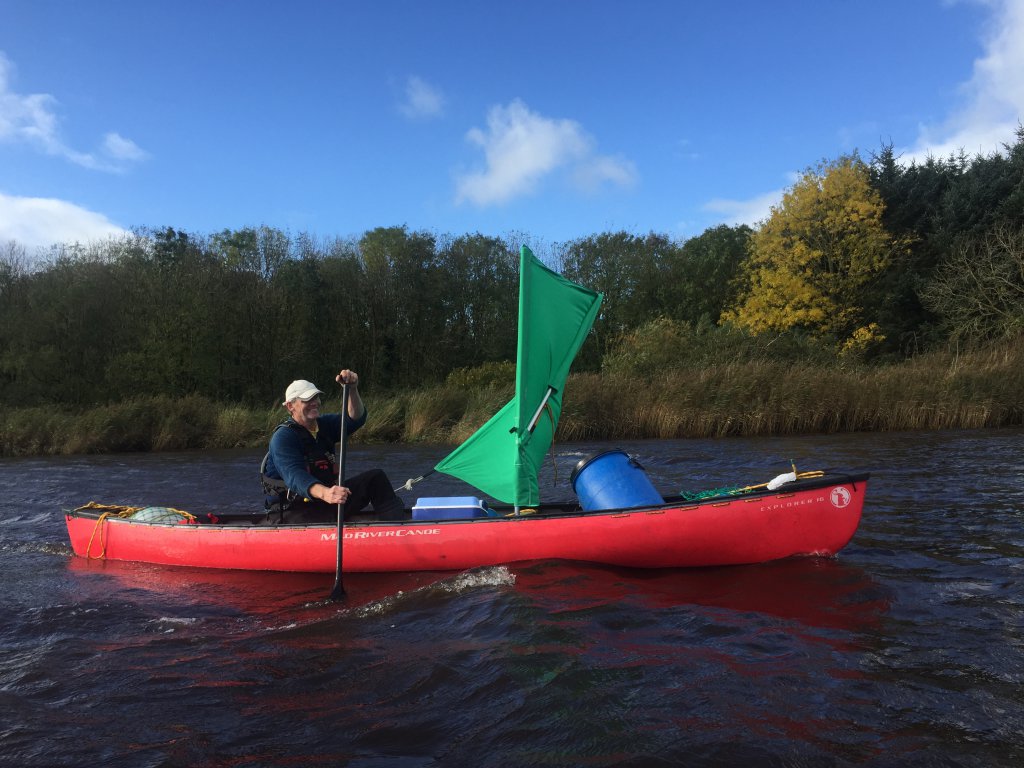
[
  {"x": 342, "y": 319},
  {"x": 63, "y": 325},
  {"x": 702, "y": 273},
  {"x": 13, "y": 260},
  {"x": 631, "y": 271},
  {"x": 403, "y": 284},
  {"x": 246, "y": 310},
  {"x": 480, "y": 277},
  {"x": 180, "y": 352},
  {"x": 937, "y": 206}
]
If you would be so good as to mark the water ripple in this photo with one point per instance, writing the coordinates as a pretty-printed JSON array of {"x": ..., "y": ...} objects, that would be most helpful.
[{"x": 907, "y": 649}]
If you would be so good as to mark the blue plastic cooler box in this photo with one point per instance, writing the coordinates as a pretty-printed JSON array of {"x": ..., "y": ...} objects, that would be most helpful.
[{"x": 448, "y": 508}]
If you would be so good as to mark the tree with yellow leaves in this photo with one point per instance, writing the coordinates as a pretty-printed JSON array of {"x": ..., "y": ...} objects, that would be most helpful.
[{"x": 810, "y": 260}]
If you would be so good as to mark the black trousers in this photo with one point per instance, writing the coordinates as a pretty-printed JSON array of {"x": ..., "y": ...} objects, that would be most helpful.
[{"x": 370, "y": 488}]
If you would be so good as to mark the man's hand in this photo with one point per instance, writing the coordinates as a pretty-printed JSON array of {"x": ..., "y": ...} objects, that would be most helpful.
[
  {"x": 336, "y": 494},
  {"x": 348, "y": 377}
]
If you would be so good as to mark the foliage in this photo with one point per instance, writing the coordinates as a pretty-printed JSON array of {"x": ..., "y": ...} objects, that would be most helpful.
[
  {"x": 979, "y": 290},
  {"x": 501, "y": 374},
  {"x": 938, "y": 206},
  {"x": 769, "y": 395},
  {"x": 400, "y": 270},
  {"x": 811, "y": 261},
  {"x": 877, "y": 263},
  {"x": 665, "y": 345},
  {"x": 630, "y": 271},
  {"x": 430, "y": 414},
  {"x": 702, "y": 274},
  {"x": 480, "y": 278},
  {"x": 237, "y": 315}
]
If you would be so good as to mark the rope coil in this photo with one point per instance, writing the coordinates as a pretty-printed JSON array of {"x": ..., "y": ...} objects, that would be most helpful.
[{"x": 121, "y": 512}]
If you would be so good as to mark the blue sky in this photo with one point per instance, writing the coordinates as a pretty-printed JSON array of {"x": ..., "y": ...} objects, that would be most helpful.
[{"x": 554, "y": 119}]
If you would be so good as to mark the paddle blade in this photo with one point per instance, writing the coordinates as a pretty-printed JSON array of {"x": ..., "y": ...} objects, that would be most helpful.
[{"x": 338, "y": 593}]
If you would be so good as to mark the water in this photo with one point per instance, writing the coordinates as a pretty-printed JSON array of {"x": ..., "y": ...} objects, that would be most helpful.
[{"x": 907, "y": 649}]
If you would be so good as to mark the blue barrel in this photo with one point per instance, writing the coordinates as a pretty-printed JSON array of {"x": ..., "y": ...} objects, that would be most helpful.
[{"x": 613, "y": 480}]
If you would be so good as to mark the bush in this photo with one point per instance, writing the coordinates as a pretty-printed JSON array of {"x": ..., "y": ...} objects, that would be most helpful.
[
  {"x": 668, "y": 345},
  {"x": 493, "y": 374}
]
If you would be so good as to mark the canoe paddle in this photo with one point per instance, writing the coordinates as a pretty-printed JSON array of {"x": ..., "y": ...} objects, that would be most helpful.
[{"x": 338, "y": 593}]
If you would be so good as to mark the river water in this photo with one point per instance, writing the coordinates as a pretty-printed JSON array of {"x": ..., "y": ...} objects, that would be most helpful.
[{"x": 905, "y": 650}]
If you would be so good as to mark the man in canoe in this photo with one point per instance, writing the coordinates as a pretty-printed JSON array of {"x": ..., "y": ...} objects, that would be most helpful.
[{"x": 300, "y": 474}]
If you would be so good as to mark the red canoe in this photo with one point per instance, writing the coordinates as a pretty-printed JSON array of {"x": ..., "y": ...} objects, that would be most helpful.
[{"x": 807, "y": 517}]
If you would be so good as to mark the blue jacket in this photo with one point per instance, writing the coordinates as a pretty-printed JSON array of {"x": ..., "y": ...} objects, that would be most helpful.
[{"x": 287, "y": 458}]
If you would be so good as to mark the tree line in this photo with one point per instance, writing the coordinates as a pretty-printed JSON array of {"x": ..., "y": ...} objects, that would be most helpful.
[{"x": 873, "y": 260}]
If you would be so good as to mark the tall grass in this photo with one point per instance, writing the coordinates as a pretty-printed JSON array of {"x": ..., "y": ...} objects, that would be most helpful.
[
  {"x": 156, "y": 423},
  {"x": 979, "y": 389},
  {"x": 938, "y": 391}
]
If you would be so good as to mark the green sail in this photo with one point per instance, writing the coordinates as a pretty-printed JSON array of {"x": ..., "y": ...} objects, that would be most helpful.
[{"x": 503, "y": 457}]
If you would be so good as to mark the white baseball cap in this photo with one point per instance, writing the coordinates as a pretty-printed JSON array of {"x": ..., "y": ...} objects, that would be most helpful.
[{"x": 302, "y": 389}]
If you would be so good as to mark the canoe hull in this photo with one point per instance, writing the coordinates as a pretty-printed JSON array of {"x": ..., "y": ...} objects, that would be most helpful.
[{"x": 811, "y": 518}]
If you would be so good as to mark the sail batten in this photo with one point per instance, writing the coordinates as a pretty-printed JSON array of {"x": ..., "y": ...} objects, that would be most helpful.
[
  {"x": 540, "y": 409},
  {"x": 503, "y": 457}
]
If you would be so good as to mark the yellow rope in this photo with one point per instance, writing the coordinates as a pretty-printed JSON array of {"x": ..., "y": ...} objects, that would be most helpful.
[
  {"x": 119, "y": 510},
  {"x": 522, "y": 512},
  {"x": 116, "y": 510},
  {"x": 123, "y": 511},
  {"x": 95, "y": 528}
]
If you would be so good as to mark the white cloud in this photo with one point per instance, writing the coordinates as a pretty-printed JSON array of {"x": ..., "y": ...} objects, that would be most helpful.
[
  {"x": 522, "y": 147},
  {"x": 422, "y": 100},
  {"x": 120, "y": 148},
  {"x": 749, "y": 212},
  {"x": 31, "y": 119},
  {"x": 39, "y": 222},
  {"x": 591, "y": 175},
  {"x": 993, "y": 98}
]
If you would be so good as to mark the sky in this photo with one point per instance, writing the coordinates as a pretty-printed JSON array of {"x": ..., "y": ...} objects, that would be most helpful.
[{"x": 552, "y": 119}]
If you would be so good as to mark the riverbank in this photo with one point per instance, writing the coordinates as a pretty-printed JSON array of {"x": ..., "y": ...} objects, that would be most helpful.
[{"x": 982, "y": 389}]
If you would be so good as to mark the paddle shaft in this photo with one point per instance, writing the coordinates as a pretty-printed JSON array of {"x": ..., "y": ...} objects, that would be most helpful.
[{"x": 339, "y": 590}]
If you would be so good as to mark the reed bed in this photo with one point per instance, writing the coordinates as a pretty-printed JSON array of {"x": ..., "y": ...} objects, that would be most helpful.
[{"x": 981, "y": 389}]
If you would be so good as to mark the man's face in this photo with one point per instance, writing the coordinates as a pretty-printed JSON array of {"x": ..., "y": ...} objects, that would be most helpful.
[{"x": 305, "y": 411}]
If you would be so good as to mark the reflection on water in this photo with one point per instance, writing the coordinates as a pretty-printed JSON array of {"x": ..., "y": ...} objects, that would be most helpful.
[
  {"x": 907, "y": 649},
  {"x": 812, "y": 592}
]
